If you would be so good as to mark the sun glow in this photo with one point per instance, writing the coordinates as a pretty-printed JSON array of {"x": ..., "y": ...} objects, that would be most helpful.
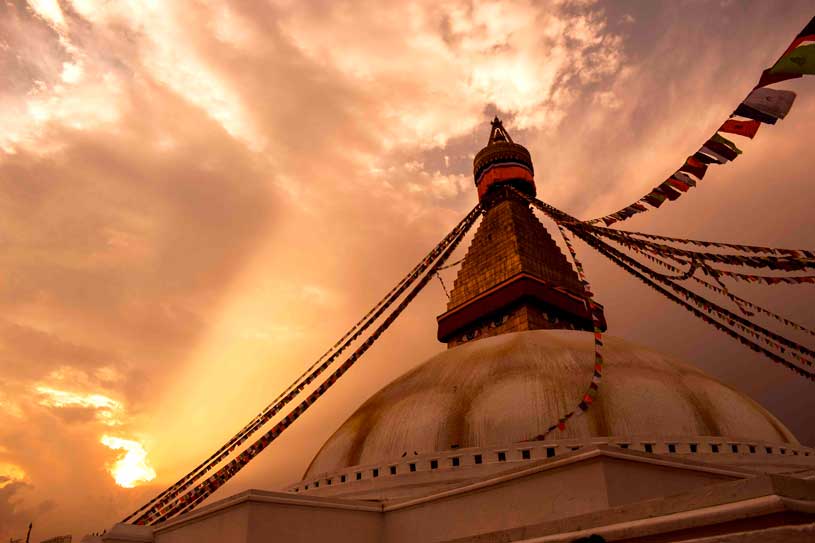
[
  {"x": 131, "y": 467},
  {"x": 10, "y": 473}
]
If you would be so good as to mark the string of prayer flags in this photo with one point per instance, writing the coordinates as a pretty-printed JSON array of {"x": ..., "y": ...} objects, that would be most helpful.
[
  {"x": 597, "y": 318},
  {"x": 757, "y": 249},
  {"x": 785, "y": 263},
  {"x": 704, "y": 308},
  {"x": 595, "y": 309},
  {"x": 203, "y": 490},
  {"x": 679, "y": 275},
  {"x": 766, "y": 279},
  {"x": 158, "y": 506},
  {"x": 718, "y": 325},
  {"x": 762, "y": 105},
  {"x": 691, "y": 301},
  {"x": 740, "y": 302},
  {"x": 756, "y": 308},
  {"x": 711, "y": 307}
]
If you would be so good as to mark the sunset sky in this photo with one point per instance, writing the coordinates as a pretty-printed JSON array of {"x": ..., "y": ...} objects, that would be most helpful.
[{"x": 198, "y": 197}]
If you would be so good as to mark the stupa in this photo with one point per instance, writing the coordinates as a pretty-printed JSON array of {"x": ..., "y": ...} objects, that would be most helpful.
[{"x": 455, "y": 450}]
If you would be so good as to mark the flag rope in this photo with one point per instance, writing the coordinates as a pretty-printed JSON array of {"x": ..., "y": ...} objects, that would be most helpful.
[
  {"x": 597, "y": 318},
  {"x": 302, "y": 381},
  {"x": 739, "y": 322},
  {"x": 642, "y": 272},
  {"x": 761, "y": 106},
  {"x": 736, "y": 299},
  {"x": 780, "y": 342},
  {"x": 595, "y": 310},
  {"x": 808, "y": 253},
  {"x": 203, "y": 490},
  {"x": 785, "y": 263}
]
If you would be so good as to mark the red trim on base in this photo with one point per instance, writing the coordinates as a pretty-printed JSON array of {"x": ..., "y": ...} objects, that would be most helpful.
[{"x": 502, "y": 174}]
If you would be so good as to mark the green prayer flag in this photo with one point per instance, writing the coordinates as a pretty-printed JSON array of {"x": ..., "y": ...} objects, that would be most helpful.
[
  {"x": 724, "y": 141},
  {"x": 800, "y": 60}
]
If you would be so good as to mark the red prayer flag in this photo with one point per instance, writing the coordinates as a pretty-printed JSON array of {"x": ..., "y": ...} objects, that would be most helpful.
[
  {"x": 804, "y": 36},
  {"x": 768, "y": 79},
  {"x": 668, "y": 191},
  {"x": 694, "y": 166},
  {"x": 747, "y": 129},
  {"x": 677, "y": 184}
]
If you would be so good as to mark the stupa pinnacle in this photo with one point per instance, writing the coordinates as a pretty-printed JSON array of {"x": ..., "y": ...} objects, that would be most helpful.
[{"x": 514, "y": 277}]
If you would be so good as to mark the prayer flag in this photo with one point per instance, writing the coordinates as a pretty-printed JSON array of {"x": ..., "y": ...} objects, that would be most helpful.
[
  {"x": 719, "y": 159},
  {"x": 807, "y": 34},
  {"x": 746, "y": 111},
  {"x": 654, "y": 198},
  {"x": 677, "y": 184},
  {"x": 685, "y": 178},
  {"x": 747, "y": 129},
  {"x": 694, "y": 166},
  {"x": 724, "y": 141},
  {"x": 705, "y": 159},
  {"x": 801, "y": 60},
  {"x": 720, "y": 149},
  {"x": 668, "y": 191},
  {"x": 773, "y": 102},
  {"x": 768, "y": 78}
]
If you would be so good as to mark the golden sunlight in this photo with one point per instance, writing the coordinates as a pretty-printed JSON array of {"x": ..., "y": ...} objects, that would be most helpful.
[
  {"x": 107, "y": 409},
  {"x": 131, "y": 467},
  {"x": 10, "y": 473}
]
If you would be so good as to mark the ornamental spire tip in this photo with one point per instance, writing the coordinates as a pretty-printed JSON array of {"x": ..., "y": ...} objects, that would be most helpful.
[{"x": 498, "y": 132}]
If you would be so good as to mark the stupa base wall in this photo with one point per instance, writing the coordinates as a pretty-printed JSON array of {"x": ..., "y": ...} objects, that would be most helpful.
[{"x": 621, "y": 495}]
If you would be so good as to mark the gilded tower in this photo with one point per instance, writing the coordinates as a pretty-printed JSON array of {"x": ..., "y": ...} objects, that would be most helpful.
[{"x": 514, "y": 276}]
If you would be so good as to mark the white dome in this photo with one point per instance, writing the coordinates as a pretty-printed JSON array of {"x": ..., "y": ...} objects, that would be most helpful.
[{"x": 512, "y": 387}]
